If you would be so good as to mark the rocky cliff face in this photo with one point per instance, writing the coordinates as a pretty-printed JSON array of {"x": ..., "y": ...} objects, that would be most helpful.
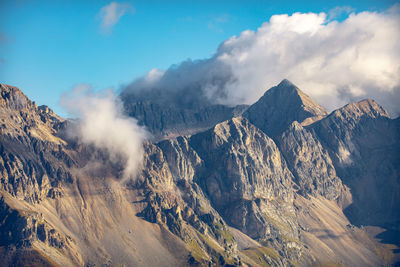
[
  {"x": 245, "y": 172},
  {"x": 311, "y": 165},
  {"x": 226, "y": 196},
  {"x": 33, "y": 161},
  {"x": 242, "y": 163}
]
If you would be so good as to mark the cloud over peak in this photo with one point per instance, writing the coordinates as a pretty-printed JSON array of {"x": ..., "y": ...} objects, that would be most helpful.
[
  {"x": 333, "y": 61},
  {"x": 112, "y": 13}
]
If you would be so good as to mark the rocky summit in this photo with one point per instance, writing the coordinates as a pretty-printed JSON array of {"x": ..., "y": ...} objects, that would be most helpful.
[{"x": 278, "y": 183}]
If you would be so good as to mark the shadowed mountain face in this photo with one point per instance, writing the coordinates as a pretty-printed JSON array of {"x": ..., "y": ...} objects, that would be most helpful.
[{"x": 285, "y": 184}]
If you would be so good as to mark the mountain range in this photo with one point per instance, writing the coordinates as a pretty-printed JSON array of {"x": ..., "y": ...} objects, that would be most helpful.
[{"x": 281, "y": 182}]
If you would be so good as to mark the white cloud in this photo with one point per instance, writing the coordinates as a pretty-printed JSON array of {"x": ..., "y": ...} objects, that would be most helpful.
[
  {"x": 333, "y": 61},
  {"x": 102, "y": 124},
  {"x": 112, "y": 13}
]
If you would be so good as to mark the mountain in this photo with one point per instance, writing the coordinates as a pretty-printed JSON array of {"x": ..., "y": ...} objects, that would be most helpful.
[
  {"x": 280, "y": 106},
  {"x": 286, "y": 184}
]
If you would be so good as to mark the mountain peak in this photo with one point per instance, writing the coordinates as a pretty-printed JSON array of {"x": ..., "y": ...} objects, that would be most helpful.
[
  {"x": 367, "y": 107},
  {"x": 286, "y": 83},
  {"x": 280, "y": 106},
  {"x": 290, "y": 90},
  {"x": 354, "y": 112},
  {"x": 20, "y": 116},
  {"x": 12, "y": 97}
]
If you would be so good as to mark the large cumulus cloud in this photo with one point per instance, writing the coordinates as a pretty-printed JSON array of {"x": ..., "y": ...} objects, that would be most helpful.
[{"x": 333, "y": 61}]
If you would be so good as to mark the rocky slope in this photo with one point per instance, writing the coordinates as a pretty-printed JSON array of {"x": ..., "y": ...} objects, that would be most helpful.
[{"x": 227, "y": 196}]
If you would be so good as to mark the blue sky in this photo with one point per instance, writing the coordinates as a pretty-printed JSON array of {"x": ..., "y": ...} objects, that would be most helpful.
[{"x": 48, "y": 47}]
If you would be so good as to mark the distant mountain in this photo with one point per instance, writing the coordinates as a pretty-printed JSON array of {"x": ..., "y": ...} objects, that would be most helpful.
[{"x": 284, "y": 184}]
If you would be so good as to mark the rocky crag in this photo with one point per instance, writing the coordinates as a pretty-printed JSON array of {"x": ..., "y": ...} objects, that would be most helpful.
[{"x": 282, "y": 184}]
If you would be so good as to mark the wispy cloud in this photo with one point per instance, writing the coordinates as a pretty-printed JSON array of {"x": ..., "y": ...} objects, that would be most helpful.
[
  {"x": 112, "y": 13},
  {"x": 103, "y": 124}
]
